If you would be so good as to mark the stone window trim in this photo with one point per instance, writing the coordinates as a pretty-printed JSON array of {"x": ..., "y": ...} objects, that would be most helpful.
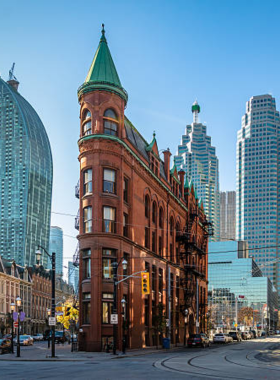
[{"x": 110, "y": 122}]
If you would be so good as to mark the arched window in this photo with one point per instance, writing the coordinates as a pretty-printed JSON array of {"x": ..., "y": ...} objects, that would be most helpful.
[
  {"x": 147, "y": 206},
  {"x": 110, "y": 123},
  {"x": 86, "y": 126},
  {"x": 154, "y": 212},
  {"x": 171, "y": 226},
  {"x": 161, "y": 217}
]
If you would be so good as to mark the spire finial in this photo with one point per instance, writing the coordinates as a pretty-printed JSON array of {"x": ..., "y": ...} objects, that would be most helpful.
[
  {"x": 103, "y": 30},
  {"x": 154, "y": 134}
]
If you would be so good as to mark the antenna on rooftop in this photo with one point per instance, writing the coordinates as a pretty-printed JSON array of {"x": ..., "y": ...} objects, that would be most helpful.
[{"x": 11, "y": 73}]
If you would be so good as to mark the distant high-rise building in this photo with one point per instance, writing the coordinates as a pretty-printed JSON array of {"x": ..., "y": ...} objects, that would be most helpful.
[
  {"x": 73, "y": 275},
  {"x": 227, "y": 215},
  {"x": 56, "y": 245},
  {"x": 26, "y": 174},
  {"x": 258, "y": 182},
  {"x": 197, "y": 157}
]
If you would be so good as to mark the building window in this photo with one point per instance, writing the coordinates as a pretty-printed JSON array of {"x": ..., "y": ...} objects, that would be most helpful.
[
  {"x": 154, "y": 241},
  {"x": 171, "y": 226},
  {"x": 109, "y": 219},
  {"x": 107, "y": 307},
  {"x": 110, "y": 123},
  {"x": 87, "y": 128},
  {"x": 160, "y": 248},
  {"x": 109, "y": 181},
  {"x": 147, "y": 206},
  {"x": 108, "y": 257},
  {"x": 125, "y": 189},
  {"x": 125, "y": 225},
  {"x": 87, "y": 115},
  {"x": 147, "y": 237},
  {"x": 86, "y": 256},
  {"x": 161, "y": 217},
  {"x": 154, "y": 212},
  {"x": 171, "y": 256},
  {"x": 154, "y": 274},
  {"x": 87, "y": 214},
  {"x": 87, "y": 180},
  {"x": 86, "y": 308}
]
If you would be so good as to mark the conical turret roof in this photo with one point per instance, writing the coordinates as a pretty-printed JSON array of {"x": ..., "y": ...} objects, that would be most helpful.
[{"x": 102, "y": 74}]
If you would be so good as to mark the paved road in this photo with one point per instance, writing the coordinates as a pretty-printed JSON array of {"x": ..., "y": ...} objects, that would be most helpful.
[{"x": 234, "y": 361}]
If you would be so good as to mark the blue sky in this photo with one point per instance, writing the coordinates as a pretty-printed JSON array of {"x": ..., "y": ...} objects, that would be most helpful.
[{"x": 167, "y": 53}]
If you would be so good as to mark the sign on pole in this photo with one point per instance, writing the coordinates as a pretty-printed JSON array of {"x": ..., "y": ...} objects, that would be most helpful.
[
  {"x": 114, "y": 319},
  {"x": 52, "y": 321},
  {"x": 15, "y": 325},
  {"x": 196, "y": 324}
]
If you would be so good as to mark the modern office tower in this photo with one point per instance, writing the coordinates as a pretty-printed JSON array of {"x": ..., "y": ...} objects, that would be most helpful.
[
  {"x": 257, "y": 184},
  {"x": 26, "y": 174},
  {"x": 73, "y": 276},
  {"x": 227, "y": 215},
  {"x": 56, "y": 245},
  {"x": 197, "y": 157},
  {"x": 236, "y": 280}
]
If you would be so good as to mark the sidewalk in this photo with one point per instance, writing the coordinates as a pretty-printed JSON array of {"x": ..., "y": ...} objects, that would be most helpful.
[{"x": 63, "y": 353}]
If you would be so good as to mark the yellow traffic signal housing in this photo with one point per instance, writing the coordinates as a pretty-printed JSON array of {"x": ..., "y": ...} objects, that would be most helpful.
[{"x": 145, "y": 283}]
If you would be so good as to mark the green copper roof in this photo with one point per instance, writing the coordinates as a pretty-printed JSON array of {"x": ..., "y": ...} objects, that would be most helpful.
[
  {"x": 150, "y": 146},
  {"x": 195, "y": 194},
  {"x": 102, "y": 74}
]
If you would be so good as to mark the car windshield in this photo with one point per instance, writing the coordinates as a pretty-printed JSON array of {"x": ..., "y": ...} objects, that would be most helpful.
[
  {"x": 195, "y": 336},
  {"x": 219, "y": 335},
  {"x": 59, "y": 333}
]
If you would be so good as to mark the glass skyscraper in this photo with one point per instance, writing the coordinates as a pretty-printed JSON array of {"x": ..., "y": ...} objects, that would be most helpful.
[
  {"x": 234, "y": 277},
  {"x": 26, "y": 174},
  {"x": 56, "y": 245},
  {"x": 73, "y": 276},
  {"x": 227, "y": 215},
  {"x": 258, "y": 183},
  {"x": 197, "y": 157}
]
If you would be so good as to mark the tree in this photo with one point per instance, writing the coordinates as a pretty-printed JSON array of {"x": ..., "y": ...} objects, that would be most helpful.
[
  {"x": 70, "y": 314},
  {"x": 245, "y": 314}
]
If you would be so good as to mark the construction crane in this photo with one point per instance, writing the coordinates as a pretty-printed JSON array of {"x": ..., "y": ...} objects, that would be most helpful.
[{"x": 11, "y": 73}]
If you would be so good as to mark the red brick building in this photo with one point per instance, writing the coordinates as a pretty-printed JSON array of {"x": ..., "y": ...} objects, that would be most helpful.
[{"x": 133, "y": 206}]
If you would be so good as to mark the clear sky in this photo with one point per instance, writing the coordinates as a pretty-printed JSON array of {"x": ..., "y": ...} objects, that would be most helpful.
[{"x": 167, "y": 53}]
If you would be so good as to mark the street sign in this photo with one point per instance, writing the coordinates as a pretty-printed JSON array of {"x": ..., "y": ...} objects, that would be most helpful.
[
  {"x": 22, "y": 316},
  {"x": 167, "y": 322},
  {"x": 52, "y": 321},
  {"x": 15, "y": 325},
  {"x": 241, "y": 296},
  {"x": 15, "y": 316},
  {"x": 196, "y": 324},
  {"x": 235, "y": 325},
  {"x": 114, "y": 319}
]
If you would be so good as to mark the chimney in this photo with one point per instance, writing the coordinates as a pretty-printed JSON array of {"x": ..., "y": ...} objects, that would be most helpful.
[
  {"x": 167, "y": 156},
  {"x": 182, "y": 180}
]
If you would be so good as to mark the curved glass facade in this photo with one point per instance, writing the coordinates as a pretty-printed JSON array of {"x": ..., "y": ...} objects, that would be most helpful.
[
  {"x": 56, "y": 245},
  {"x": 26, "y": 173}
]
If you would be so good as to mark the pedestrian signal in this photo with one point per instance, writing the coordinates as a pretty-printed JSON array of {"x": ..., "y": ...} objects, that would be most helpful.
[{"x": 145, "y": 283}]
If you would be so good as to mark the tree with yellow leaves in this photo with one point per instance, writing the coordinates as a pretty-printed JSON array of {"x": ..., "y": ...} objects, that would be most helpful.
[{"x": 70, "y": 314}]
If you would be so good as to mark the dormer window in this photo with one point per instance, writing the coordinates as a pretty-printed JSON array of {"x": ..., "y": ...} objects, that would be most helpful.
[
  {"x": 86, "y": 123},
  {"x": 110, "y": 123}
]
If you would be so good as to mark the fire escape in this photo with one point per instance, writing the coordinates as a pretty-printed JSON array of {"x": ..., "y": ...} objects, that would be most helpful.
[{"x": 191, "y": 249}]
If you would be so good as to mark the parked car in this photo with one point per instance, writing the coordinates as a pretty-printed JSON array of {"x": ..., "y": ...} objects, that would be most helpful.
[
  {"x": 38, "y": 337},
  {"x": 60, "y": 336},
  {"x": 245, "y": 335},
  {"x": 5, "y": 346},
  {"x": 235, "y": 335},
  {"x": 201, "y": 340},
  {"x": 253, "y": 334},
  {"x": 263, "y": 333},
  {"x": 222, "y": 338}
]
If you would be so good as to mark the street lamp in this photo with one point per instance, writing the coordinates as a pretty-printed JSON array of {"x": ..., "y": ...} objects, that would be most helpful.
[
  {"x": 13, "y": 308},
  {"x": 52, "y": 257},
  {"x": 115, "y": 266},
  {"x": 18, "y": 302}
]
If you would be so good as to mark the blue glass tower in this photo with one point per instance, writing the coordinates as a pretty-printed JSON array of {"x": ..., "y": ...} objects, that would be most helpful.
[
  {"x": 26, "y": 174},
  {"x": 257, "y": 184},
  {"x": 56, "y": 245},
  {"x": 197, "y": 157}
]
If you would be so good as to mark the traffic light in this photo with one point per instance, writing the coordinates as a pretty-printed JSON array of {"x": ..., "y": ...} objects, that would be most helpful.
[
  {"x": 145, "y": 283},
  {"x": 67, "y": 312}
]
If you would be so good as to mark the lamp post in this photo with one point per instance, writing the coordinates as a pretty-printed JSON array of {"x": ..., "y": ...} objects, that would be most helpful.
[
  {"x": 115, "y": 266},
  {"x": 13, "y": 308},
  {"x": 186, "y": 312},
  {"x": 18, "y": 301},
  {"x": 207, "y": 325},
  {"x": 123, "y": 302},
  {"x": 52, "y": 257}
]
